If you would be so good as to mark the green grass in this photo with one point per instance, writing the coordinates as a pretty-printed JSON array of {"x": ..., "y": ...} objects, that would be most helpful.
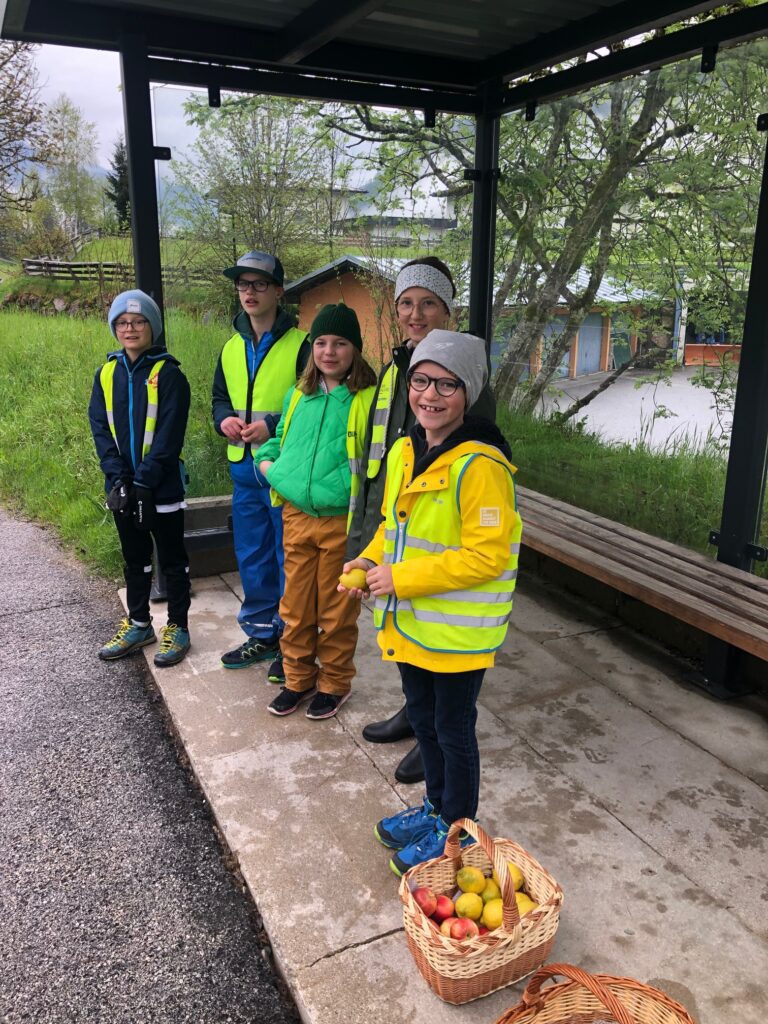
[
  {"x": 676, "y": 493},
  {"x": 48, "y": 466},
  {"x": 49, "y": 470}
]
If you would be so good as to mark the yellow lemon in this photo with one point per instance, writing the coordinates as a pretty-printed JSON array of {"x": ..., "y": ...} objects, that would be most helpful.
[
  {"x": 515, "y": 874},
  {"x": 490, "y": 892},
  {"x": 356, "y": 579},
  {"x": 493, "y": 912},
  {"x": 469, "y": 905},
  {"x": 470, "y": 879},
  {"x": 525, "y": 904}
]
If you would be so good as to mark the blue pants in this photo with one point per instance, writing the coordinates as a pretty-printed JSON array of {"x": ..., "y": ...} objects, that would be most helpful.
[
  {"x": 442, "y": 710},
  {"x": 258, "y": 530}
]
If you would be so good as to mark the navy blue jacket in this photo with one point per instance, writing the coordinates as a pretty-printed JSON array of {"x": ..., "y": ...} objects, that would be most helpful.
[
  {"x": 221, "y": 403},
  {"x": 161, "y": 470}
]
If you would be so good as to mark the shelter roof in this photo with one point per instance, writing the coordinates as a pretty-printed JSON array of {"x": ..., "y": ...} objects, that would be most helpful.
[{"x": 454, "y": 44}]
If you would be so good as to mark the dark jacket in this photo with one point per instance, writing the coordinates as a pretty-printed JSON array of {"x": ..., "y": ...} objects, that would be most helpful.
[
  {"x": 367, "y": 514},
  {"x": 161, "y": 472},
  {"x": 221, "y": 404}
]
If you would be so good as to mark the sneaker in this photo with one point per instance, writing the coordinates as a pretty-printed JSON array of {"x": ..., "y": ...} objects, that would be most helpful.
[
  {"x": 429, "y": 846},
  {"x": 174, "y": 644},
  {"x": 406, "y": 827},
  {"x": 276, "y": 673},
  {"x": 250, "y": 652},
  {"x": 286, "y": 702},
  {"x": 325, "y": 705},
  {"x": 128, "y": 637}
]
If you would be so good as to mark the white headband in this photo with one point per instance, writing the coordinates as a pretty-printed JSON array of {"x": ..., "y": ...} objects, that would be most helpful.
[{"x": 421, "y": 275}]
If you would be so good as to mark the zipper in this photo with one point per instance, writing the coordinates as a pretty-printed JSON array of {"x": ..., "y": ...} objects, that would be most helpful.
[{"x": 129, "y": 371}]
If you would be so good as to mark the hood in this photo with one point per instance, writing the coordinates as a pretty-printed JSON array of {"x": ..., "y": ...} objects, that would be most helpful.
[
  {"x": 474, "y": 428},
  {"x": 152, "y": 354}
]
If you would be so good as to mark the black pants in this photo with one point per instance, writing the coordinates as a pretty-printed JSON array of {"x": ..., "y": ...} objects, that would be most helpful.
[
  {"x": 442, "y": 710},
  {"x": 168, "y": 532}
]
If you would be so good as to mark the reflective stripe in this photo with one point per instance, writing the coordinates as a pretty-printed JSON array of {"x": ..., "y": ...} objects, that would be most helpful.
[
  {"x": 509, "y": 574},
  {"x": 241, "y": 413},
  {"x": 380, "y": 417},
  {"x": 430, "y": 545},
  {"x": 390, "y": 534},
  {"x": 515, "y": 548},
  {"x": 475, "y": 596},
  {"x": 446, "y": 619},
  {"x": 376, "y": 450},
  {"x": 354, "y": 466}
]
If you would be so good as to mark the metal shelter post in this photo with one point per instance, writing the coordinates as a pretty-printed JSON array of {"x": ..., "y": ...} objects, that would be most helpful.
[
  {"x": 485, "y": 176},
  {"x": 738, "y": 538},
  {"x": 137, "y": 111}
]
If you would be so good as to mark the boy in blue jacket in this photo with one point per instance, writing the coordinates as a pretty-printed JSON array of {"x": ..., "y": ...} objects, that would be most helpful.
[{"x": 138, "y": 414}]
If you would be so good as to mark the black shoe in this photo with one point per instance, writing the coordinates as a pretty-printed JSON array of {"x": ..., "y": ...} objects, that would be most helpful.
[
  {"x": 391, "y": 729},
  {"x": 411, "y": 768},
  {"x": 325, "y": 705},
  {"x": 276, "y": 673},
  {"x": 286, "y": 702},
  {"x": 250, "y": 652}
]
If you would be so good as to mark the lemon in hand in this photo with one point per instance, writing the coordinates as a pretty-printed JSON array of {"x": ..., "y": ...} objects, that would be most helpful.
[{"x": 355, "y": 579}]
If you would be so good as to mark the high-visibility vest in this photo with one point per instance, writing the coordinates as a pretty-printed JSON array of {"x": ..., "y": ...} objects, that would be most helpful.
[
  {"x": 253, "y": 400},
  {"x": 381, "y": 414},
  {"x": 107, "y": 379},
  {"x": 471, "y": 621},
  {"x": 357, "y": 421}
]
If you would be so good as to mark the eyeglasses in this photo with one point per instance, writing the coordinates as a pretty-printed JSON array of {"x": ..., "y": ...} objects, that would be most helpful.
[
  {"x": 423, "y": 305},
  {"x": 131, "y": 325},
  {"x": 444, "y": 386},
  {"x": 259, "y": 285}
]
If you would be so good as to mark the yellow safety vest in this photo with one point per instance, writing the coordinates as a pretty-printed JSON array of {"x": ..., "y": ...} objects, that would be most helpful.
[
  {"x": 471, "y": 621},
  {"x": 357, "y": 422},
  {"x": 275, "y": 375},
  {"x": 381, "y": 413},
  {"x": 107, "y": 379}
]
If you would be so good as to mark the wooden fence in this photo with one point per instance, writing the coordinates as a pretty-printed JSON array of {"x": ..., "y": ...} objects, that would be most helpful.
[{"x": 122, "y": 273}]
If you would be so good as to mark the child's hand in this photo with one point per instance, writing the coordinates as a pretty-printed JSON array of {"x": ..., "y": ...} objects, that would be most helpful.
[
  {"x": 264, "y": 467},
  {"x": 232, "y": 427},
  {"x": 356, "y": 593},
  {"x": 255, "y": 433},
  {"x": 380, "y": 580}
]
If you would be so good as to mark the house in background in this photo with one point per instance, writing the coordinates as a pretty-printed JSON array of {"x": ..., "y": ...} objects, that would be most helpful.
[{"x": 367, "y": 286}]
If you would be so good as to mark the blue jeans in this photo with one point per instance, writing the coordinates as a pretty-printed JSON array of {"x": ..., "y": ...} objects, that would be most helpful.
[
  {"x": 442, "y": 710},
  {"x": 258, "y": 530}
]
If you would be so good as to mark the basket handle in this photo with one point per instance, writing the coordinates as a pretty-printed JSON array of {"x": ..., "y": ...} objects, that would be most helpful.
[
  {"x": 511, "y": 915},
  {"x": 533, "y": 995}
]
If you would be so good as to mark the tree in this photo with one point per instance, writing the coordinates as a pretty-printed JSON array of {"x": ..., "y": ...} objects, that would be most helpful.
[
  {"x": 70, "y": 185},
  {"x": 639, "y": 180},
  {"x": 264, "y": 171},
  {"x": 23, "y": 131},
  {"x": 117, "y": 185}
]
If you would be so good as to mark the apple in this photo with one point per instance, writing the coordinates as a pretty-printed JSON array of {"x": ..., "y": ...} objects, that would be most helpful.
[
  {"x": 425, "y": 899},
  {"x": 464, "y": 928},
  {"x": 447, "y": 924},
  {"x": 482, "y": 929},
  {"x": 444, "y": 908}
]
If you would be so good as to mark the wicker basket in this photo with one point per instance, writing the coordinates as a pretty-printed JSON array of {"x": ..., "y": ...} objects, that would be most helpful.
[
  {"x": 587, "y": 998},
  {"x": 460, "y": 971}
]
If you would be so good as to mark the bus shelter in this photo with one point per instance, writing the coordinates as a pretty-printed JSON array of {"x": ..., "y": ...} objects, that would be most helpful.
[{"x": 481, "y": 59}]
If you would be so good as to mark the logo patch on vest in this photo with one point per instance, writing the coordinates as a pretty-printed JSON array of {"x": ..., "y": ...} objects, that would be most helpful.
[{"x": 490, "y": 516}]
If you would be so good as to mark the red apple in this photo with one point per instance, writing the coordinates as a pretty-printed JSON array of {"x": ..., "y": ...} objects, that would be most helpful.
[
  {"x": 425, "y": 899},
  {"x": 444, "y": 908},
  {"x": 464, "y": 928},
  {"x": 447, "y": 924},
  {"x": 482, "y": 929}
]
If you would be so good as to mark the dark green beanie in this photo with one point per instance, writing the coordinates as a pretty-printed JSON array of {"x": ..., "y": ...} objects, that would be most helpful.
[{"x": 339, "y": 320}]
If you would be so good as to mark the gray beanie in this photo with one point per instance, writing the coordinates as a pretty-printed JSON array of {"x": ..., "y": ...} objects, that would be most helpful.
[
  {"x": 462, "y": 354},
  {"x": 136, "y": 301}
]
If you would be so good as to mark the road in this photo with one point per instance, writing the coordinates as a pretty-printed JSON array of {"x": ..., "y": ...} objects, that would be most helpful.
[{"x": 117, "y": 906}]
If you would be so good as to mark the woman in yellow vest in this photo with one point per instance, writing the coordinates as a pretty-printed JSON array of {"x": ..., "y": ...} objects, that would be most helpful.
[
  {"x": 424, "y": 297},
  {"x": 442, "y": 568},
  {"x": 138, "y": 414},
  {"x": 312, "y": 465}
]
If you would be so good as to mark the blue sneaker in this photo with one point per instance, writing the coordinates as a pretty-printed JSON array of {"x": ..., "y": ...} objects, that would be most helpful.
[
  {"x": 174, "y": 644},
  {"x": 429, "y": 846},
  {"x": 406, "y": 827},
  {"x": 128, "y": 637}
]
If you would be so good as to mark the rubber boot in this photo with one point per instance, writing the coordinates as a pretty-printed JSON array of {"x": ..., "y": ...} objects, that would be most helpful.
[
  {"x": 390, "y": 730},
  {"x": 411, "y": 768}
]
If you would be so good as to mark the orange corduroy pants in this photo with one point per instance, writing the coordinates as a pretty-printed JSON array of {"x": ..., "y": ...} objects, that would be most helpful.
[{"x": 320, "y": 622}]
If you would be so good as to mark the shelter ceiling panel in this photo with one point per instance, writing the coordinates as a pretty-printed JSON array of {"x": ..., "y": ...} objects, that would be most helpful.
[{"x": 262, "y": 14}]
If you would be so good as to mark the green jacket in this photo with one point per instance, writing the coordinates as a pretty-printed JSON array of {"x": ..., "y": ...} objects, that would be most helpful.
[{"x": 311, "y": 470}]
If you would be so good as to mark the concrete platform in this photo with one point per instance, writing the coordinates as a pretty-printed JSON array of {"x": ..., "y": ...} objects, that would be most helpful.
[{"x": 645, "y": 799}]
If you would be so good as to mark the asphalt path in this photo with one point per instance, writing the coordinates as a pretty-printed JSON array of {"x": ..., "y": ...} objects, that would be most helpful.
[{"x": 116, "y": 904}]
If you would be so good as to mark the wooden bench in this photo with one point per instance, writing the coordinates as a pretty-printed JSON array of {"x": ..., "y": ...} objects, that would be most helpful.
[{"x": 719, "y": 600}]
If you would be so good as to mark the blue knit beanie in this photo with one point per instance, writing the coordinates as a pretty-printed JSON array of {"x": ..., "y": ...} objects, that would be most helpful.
[{"x": 138, "y": 302}]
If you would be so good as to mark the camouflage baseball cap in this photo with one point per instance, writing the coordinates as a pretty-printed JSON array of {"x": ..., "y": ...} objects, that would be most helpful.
[{"x": 256, "y": 262}]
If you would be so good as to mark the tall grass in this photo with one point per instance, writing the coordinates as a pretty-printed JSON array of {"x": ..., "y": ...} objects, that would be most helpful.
[{"x": 49, "y": 470}]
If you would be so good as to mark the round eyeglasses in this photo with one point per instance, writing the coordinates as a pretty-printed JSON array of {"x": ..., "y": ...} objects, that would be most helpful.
[{"x": 444, "y": 386}]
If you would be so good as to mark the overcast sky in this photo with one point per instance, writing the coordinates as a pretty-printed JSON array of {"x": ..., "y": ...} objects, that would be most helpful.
[{"x": 91, "y": 79}]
